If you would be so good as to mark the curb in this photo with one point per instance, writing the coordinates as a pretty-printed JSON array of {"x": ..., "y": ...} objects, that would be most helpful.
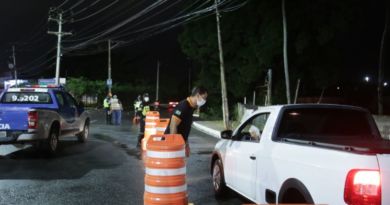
[{"x": 206, "y": 130}]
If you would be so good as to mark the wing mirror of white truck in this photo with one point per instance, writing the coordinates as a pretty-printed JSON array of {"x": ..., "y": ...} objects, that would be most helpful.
[{"x": 227, "y": 134}]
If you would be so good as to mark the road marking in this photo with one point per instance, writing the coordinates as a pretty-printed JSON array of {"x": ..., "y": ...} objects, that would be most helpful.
[{"x": 93, "y": 121}]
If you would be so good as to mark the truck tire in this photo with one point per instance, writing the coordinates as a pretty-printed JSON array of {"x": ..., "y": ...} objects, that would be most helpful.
[
  {"x": 83, "y": 135},
  {"x": 218, "y": 178},
  {"x": 51, "y": 143}
]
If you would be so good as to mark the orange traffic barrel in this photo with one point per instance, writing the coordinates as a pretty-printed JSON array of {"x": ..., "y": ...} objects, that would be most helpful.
[
  {"x": 151, "y": 119},
  {"x": 162, "y": 125},
  {"x": 165, "y": 170}
]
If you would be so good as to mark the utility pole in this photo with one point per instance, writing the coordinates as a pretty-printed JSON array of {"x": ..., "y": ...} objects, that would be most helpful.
[
  {"x": 381, "y": 68},
  {"x": 12, "y": 65},
  {"x": 158, "y": 79},
  {"x": 14, "y": 59},
  {"x": 286, "y": 75},
  {"x": 269, "y": 87},
  {"x": 109, "y": 79},
  {"x": 225, "y": 107},
  {"x": 58, "y": 18}
]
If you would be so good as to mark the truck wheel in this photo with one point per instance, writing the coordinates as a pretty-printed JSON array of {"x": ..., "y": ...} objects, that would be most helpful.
[
  {"x": 83, "y": 136},
  {"x": 52, "y": 141},
  {"x": 218, "y": 178}
]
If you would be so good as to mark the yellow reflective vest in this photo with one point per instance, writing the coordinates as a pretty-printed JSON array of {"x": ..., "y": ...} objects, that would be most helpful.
[{"x": 106, "y": 103}]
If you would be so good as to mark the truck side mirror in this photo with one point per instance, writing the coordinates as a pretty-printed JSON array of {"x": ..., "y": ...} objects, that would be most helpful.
[{"x": 227, "y": 134}]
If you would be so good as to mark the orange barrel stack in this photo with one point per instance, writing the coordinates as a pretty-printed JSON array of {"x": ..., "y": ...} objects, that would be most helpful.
[
  {"x": 151, "y": 120},
  {"x": 162, "y": 125},
  {"x": 165, "y": 171}
]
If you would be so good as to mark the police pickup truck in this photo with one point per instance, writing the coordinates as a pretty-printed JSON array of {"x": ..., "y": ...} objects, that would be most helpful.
[
  {"x": 307, "y": 154},
  {"x": 39, "y": 116}
]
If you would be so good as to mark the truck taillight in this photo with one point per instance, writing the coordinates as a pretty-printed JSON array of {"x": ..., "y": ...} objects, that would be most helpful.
[
  {"x": 363, "y": 187},
  {"x": 32, "y": 120}
]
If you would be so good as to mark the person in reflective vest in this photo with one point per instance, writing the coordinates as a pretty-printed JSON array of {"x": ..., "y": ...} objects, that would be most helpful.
[
  {"x": 137, "y": 104},
  {"x": 142, "y": 110},
  {"x": 116, "y": 110},
  {"x": 106, "y": 106}
]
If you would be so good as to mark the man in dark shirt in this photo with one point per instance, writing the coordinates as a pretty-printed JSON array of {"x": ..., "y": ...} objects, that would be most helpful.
[{"x": 181, "y": 119}]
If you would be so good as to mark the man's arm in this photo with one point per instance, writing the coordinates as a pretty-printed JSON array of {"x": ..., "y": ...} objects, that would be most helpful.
[{"x": 175, "y": 121}]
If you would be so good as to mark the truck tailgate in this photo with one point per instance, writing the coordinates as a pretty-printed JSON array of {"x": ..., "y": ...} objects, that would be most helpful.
[
  {"x": 384, "y": 164},
  {"x": 13, "y": 118}
]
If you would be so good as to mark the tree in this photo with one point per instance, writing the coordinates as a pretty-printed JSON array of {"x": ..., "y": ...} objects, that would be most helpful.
[
  {"x": 319, "y": 35},
  {"x": 382, "y": 61}
]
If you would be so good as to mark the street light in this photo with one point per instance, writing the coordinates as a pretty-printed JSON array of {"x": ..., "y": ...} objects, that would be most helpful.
[
  {"x": 385, "y": 84},
  {"x": 367, "y": 78}
]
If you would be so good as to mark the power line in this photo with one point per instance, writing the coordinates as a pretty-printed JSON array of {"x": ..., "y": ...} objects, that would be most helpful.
[
  {"x": 63, "y": 3},
  {"x": 86, "y": 8},
  {"x": 95, "y": 26},
  {"x": 120, "y": 25},
  {"x": 96, "y": 13},
  {"x": 156, "y": 28}
]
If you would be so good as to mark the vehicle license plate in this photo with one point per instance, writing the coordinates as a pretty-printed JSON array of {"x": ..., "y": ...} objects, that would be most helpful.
[{"x": 3, "y": 134}]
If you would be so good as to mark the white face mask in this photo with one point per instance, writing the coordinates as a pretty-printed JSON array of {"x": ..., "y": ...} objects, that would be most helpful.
[
  {"x": 200, "y": 102},
  {"x": 146, "y": 99}
]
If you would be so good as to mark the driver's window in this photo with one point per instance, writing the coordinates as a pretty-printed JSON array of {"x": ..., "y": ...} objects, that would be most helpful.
[
  {"x": 72, "y": 102},
  {"x": 60, "y": 100},
  {"x": 254, "y": 127}
]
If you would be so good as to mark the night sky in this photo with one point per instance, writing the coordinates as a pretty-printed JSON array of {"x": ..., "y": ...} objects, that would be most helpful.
[{"x": 24, "y": 24}]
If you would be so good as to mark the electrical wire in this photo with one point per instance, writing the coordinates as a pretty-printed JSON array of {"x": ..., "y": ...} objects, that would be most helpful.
[
  {"x": 146, "y": 19},
  {"x": 94, "y": 28},
  {"x": 156, "y": 29},
  {"x": 127, "y": 36},
  {"x": 120, "y": 25},
  {"x": 94, "y": 14},
  {"x": 86, "y": 8},
  {"x": 63, "y": 3}
]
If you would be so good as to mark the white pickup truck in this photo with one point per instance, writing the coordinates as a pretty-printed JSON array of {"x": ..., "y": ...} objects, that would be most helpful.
[{"x": 322, "y": 154}]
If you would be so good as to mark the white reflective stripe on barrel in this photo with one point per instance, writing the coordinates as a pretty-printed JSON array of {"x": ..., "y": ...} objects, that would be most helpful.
[
  {"x": 152, "y": 118},
  {"x": 165, "y": 190},
  {"x": 151, "y": 123},
  {"x": 164, "y": 155},
  {"x": 150, "y": 129},
  {"x": 165, "y": 172},
  {"x": 161, "y": 129}
]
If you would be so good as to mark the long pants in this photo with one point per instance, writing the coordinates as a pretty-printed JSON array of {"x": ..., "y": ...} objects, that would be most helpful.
[
  {"x": 116, "y": 117},
  {"x": 141, "y": 129},
  {"x": 108, "y": 116}
]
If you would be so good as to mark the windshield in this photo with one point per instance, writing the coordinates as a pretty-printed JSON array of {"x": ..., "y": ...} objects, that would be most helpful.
[
  {"x": 26, "y": 98},
  {"x": 327, "y": 124}
]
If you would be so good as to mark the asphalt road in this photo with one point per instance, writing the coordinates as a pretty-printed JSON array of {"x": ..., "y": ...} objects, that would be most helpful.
[{"x": 108, "y": 169}]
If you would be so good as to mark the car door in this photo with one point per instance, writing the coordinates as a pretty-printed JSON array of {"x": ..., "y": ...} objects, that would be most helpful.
[
  {"x": 66, "y": 112},
  {"x": 242, "y": 155},
  {"x": 72, "y": 111}
]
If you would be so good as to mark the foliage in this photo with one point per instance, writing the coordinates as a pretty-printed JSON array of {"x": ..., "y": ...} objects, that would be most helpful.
[
  {"x": 126, "y": 92},
  {"x": 252, "y": 43}
]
